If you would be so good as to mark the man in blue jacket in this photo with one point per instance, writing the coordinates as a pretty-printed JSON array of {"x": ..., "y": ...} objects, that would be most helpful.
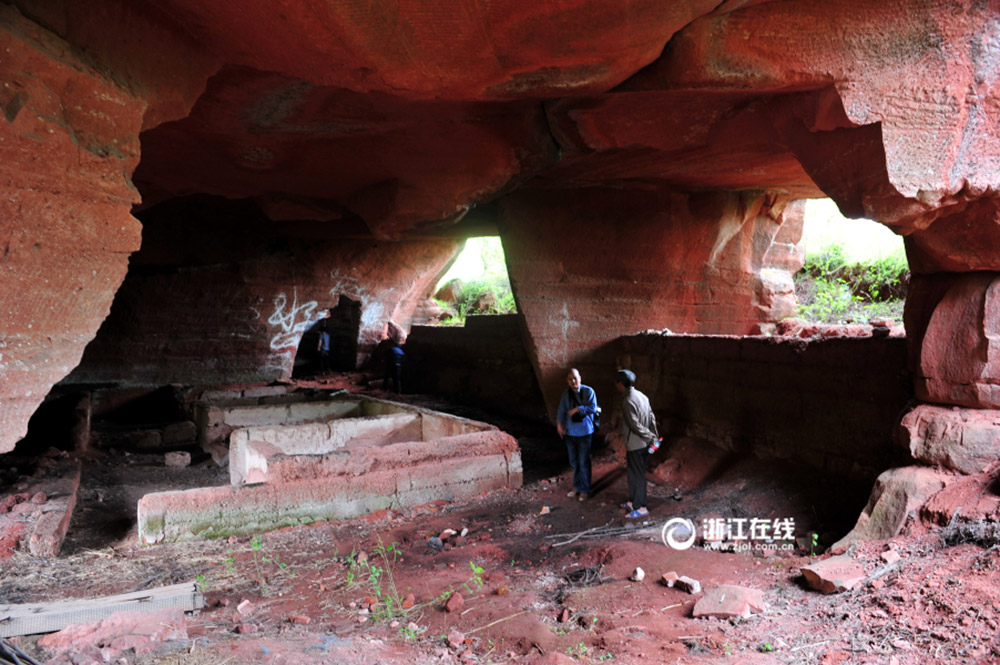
[{"x": 575, "y": 422}]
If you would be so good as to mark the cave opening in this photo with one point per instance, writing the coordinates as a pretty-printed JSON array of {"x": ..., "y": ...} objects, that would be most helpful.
[
  {"x": 476, "y": 283},
  {"x": 343, "y": 325},
  {"x": 855, "y": 271}
]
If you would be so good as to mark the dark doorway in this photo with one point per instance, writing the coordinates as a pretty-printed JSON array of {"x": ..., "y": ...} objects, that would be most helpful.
[{"x": 344, "y": 326}]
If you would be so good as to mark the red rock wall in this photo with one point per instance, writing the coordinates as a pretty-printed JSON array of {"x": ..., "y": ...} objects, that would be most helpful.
[
  {"x": 68, "y": 143},
  {"x": 243, "y": 294},
  {"x": 482, "y": 363},
  {"x": 953, "y": 321},
  {"x": 588, "y": 266},
  {"x": 829, "y": 404}
]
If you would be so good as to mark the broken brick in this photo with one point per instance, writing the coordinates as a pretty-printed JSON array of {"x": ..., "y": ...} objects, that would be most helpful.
[
  {"x": 685, "y": 583},
  {"x": 455, "y": 603}
]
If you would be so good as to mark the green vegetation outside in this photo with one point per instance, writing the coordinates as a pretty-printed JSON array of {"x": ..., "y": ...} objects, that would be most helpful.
[
  {"x": 831, "y": 289},
  {"x": 482, "y": 269}
]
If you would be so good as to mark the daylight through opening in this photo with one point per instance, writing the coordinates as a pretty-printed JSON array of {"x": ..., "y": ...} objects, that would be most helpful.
[
  {"x": 477, "y": 283},
  {"x": 855, "y": 269}
]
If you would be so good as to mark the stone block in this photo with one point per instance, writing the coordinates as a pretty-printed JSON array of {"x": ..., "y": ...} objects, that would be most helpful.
[
  {"x": 897, "y": 493},
  {"x": 965, "y": 440},
  {"x": 728, "y": 601},
  {"x": 685, "y": 583},
  {"x": 834, "y": 575},
  {"x": 960, "y": 352},
  {"x": 255, "y": 416}
]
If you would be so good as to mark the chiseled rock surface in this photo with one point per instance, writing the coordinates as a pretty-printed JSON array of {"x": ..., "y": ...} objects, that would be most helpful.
[
  {"x": 965, "y": 440},
  {"x": 68, "y": 143},
  {"x": 959, "y": 349}
]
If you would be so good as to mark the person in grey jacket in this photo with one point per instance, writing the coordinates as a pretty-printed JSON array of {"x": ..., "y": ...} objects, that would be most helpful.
[{"x": 639, "y": 431}]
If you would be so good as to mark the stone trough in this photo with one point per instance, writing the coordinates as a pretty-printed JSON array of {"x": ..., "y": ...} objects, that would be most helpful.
[{"x": 367, "y": 455}]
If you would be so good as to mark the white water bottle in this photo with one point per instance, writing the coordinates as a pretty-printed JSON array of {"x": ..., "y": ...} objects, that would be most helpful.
[{"x": 653, "y": 447}]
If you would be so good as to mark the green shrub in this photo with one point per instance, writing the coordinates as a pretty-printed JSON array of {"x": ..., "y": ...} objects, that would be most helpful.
[
  {"x": 493, "y": 279},
  {"x": 832, "y": 290}
]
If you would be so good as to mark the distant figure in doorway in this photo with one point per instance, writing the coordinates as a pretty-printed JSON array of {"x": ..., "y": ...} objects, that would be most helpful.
[
  {"x": 323, "y": 346},
  {"x": 575, "y": 422},
  {"x": 392, "y": 360},
  {"x": 639, "y": 432}
]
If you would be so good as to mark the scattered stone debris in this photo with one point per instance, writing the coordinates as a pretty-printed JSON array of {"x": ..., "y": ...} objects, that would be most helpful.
[
  {"x": 685, "y": 583},
  {"x": 980, "y": 532},
  {"x": 728, "y": 600},
  {"x": 455, "y": 603},
  {"x": 834, "y": 575},
  {"x": 455, "y": 639},
  {"x": 669, "y": 579},
  {"x": 106, "y": 640},
  {"x": 890, "y": 556}
]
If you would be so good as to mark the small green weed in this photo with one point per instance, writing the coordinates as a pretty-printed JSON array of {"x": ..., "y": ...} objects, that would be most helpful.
[
  {"x": 411, "y": 631},
  {"x": 263, "y": 564},
  {"x": 475, "y": 581},
  {"x": 378, "y": 576}
]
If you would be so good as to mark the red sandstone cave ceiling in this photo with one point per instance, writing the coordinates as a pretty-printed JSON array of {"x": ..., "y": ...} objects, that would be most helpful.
[{"x": 407, "y": 114}]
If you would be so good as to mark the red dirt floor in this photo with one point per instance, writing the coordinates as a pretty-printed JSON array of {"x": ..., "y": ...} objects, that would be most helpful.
[{"x": 529, "y": 596}]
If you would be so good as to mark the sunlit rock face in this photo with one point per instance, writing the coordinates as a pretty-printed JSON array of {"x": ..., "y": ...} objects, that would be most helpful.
[{"x": 683, "y": 127}]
